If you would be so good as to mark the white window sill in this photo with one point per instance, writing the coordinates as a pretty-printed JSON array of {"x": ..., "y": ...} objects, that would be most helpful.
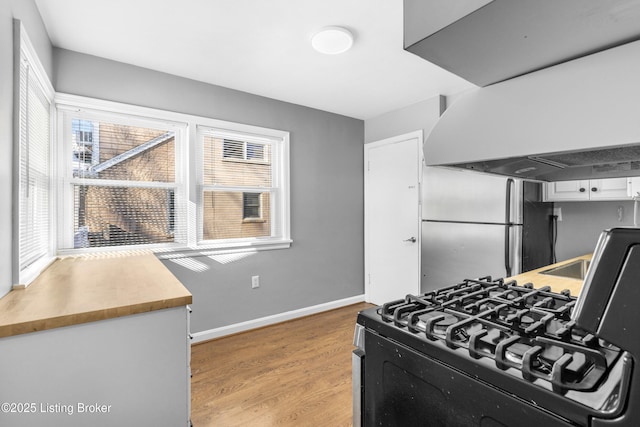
[
  {"x": 208, "y": 249},
  {"x": 181, "y": 251}
]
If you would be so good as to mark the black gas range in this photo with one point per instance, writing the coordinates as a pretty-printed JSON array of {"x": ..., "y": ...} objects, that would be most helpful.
[{"x": 487, "y": 352}]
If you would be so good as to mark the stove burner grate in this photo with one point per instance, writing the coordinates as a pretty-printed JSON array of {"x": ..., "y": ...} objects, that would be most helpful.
[{"x": 519, "y": 327}]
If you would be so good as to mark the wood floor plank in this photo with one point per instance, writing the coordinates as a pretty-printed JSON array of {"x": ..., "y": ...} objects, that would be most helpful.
[{"x": 296, "y": 373}]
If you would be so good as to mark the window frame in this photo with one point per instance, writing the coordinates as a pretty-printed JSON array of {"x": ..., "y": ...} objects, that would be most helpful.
[
  {"x": 280, "y": 236},
  {"x": 188, "y": 157},
  {"x": 24, "y": 51},
  {"x": 66, "y": 114}
]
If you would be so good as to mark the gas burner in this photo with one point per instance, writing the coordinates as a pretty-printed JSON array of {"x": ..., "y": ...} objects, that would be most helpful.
[
  {"x": 542, "y": 360},
  {"x": 516, "y": 351},
  {"x": 510, "y": 294},
  {"x": 436, "y": 323},
  {"x": 506, "y": 311},
  {"x": 529, "y": 321},
  {"x": 482, "y": 306}
]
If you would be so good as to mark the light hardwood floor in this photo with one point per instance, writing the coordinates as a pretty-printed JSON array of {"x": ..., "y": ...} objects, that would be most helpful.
[{"x": 296, "y": 373}]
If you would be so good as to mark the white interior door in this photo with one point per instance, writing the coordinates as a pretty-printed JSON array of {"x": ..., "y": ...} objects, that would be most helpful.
[{"x": 392, "y": 217}]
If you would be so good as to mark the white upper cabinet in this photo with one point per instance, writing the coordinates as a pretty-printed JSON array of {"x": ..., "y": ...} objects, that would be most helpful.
[
  {"x": 594, "y": 189},
  {"x": 634, "y": 186},
  {"x": 609, "y": 189},
  {"x": 566, "y": 190}
]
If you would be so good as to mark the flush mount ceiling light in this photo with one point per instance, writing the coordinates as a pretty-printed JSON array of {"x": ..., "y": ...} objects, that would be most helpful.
[{"x": 332, "y": 40}]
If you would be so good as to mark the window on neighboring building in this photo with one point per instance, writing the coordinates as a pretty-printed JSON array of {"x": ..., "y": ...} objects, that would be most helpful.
[
  {"x": 83, "y": 146},
  {"x": 254, "y": 151},
  {"x": 85, "y": 136},
  {"x": 251, "y": 205},
  {"x": 243, "y": 150},
  {"x": 120, "y": 181},
  {"x": 232, "y": 149},
  {"x": 34, "y": 195},
  {"x": 242, "y": 199}
]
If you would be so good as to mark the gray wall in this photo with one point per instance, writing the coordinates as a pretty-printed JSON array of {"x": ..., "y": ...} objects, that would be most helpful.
[
  {"x": 422, "y": 115},
  {"x": 325, "y": 261},
  {"x": 26, "y": 11},
  {"x": 582, "y": 223}
]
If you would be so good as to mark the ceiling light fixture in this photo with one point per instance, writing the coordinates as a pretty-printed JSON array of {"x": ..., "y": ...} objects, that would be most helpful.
[{"x": 332, "y": 40}]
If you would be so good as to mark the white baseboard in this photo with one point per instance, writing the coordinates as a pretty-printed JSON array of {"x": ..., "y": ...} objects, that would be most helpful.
[{"x": 271, "y": 320}]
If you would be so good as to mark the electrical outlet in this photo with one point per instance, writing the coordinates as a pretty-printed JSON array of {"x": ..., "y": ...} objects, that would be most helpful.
[
  {"x": 255, "y": 282},
  {"x": 558, "y": 212}
]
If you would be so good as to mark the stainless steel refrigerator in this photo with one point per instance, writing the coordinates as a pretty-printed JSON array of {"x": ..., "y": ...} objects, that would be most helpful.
[{"x": 476, "y": 224}]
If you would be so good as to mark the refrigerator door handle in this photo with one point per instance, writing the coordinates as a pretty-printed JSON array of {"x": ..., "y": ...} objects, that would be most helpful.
[
  {"x": 507, "y": 255},
  {"x": 507, "y": 227}
]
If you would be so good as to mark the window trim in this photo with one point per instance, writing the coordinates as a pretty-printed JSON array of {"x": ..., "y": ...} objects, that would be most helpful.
[
  {"x": 188, "y": 156},
  {"x": 279, "y": 141},
  {"x": 66, "y": 181},
  {"x": 23, "y": 49}
]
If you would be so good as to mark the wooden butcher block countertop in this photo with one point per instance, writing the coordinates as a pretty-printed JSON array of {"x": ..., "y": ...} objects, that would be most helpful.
[
  {"x": 556, "y": 283},
  {"x": 81, "y": 289}
]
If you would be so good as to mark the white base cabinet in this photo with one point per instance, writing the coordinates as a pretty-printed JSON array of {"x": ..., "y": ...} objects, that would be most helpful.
[
  {"x": 125, "y": 371},
  {"x": 585, "y": 190}
]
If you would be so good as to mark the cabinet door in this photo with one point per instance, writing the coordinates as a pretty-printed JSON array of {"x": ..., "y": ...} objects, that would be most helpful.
[
  {"x": 634, "y": 186},
  {"x": 609, "y": 189},
  {"x": 567, "y": 190}
]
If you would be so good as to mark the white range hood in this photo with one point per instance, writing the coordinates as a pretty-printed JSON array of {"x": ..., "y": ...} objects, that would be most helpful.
[{"x": 575, "y": 120}]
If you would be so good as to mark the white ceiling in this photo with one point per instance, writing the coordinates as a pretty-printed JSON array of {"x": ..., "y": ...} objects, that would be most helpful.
[{"x": 261, "y": 47}]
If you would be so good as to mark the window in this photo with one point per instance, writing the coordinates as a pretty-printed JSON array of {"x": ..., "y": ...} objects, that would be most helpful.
[
  {"x": 83, "y": 146},
  {"x": 33, "y": 165},
  {"x": 125, "y": 175},
  {"x": 250, "y": 205},
  {"x": 233, "y": 149},
  {"x": 242, "y": 150},
  {"x": 243, "y": 190},
  {"x": 254, "y": 151},
  {"x": 85, "y": 136},
  {"x": 121, "y": 181}
]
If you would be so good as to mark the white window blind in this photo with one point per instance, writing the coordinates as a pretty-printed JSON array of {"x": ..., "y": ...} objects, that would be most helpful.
[
  {"x": 123, "y": 181},
  {"x": 34, "y": 171},
  {"x": 241, "y": 189}
]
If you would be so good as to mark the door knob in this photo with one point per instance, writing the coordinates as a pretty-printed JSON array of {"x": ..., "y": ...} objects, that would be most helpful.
[{"x": 410, "y": 239}]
